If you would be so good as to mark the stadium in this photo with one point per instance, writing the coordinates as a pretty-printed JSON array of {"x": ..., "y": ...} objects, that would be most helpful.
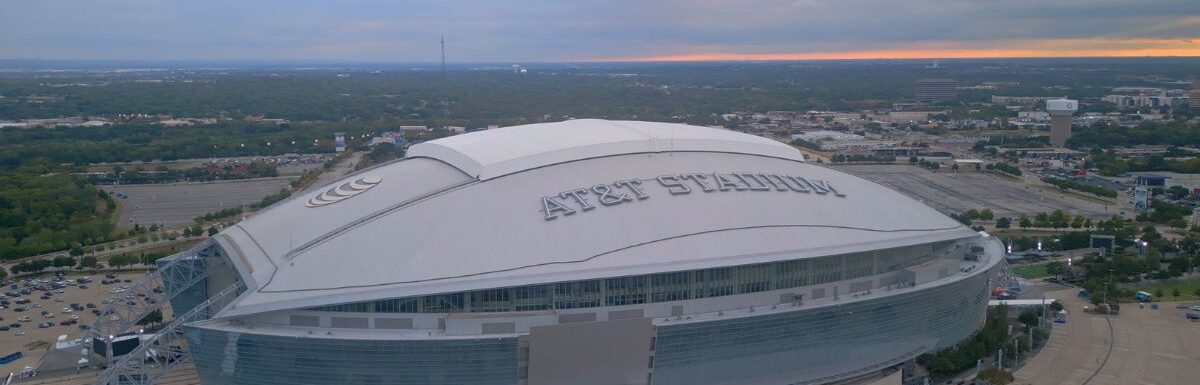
[{"x": 584, "y": 252}]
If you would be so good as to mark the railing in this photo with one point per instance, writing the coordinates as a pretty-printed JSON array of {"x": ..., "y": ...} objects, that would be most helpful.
[
  {"x": 167, "y": 349},
  {"x": 151, "y": 293}
]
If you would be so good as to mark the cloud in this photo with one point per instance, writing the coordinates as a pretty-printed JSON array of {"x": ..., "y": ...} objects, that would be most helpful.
[{"x": 553, "y": 30}]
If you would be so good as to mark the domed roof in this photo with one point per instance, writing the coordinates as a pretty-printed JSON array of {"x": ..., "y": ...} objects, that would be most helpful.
[{"x": 561, "y": 202}]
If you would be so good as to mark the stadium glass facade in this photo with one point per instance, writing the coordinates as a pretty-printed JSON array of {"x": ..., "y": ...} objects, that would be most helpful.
[
  {"x": 835, "y": 340},
  {"x": 662, "y": 287},
  {"x": 257, "y": 359},
  {"x": 831, "y": 342}
]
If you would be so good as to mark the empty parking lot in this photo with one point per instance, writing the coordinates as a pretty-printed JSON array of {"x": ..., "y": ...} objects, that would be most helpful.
[
  {"x": 953, "y": 193},
  {"x": 178, "y": 204}
]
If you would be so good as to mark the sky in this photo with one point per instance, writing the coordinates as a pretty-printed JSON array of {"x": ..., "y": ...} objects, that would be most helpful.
[{"x": 593, "y": 30}]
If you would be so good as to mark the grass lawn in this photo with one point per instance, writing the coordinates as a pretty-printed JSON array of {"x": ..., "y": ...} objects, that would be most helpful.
[
  {"x": 1187, "y": 289},
  {"x": 1031, "y": 271}
]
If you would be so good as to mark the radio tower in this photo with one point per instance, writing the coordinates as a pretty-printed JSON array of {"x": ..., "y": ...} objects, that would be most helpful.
[{"x": 445, "y": 89}]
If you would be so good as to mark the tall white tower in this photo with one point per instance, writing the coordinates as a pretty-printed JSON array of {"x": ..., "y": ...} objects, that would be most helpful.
[{"x": 1060, "y": 119}]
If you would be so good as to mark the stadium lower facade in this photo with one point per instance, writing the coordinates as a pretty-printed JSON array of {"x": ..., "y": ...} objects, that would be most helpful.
[{"x": 588, "y": 252}]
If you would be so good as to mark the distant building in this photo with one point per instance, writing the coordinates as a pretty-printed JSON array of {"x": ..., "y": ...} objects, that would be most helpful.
[
  {"x": 1061, "y": 111},
  {"x": 1028, "y": 101},
  {"x": 817, "y": 136},
  {"x": 1034, "y": 115},
  {"x": 1145, "y": 101},
  {"x": 936, "y": 89},
  {"x": 387, "y": 137},
  {"x": 1194, "y": 101},
  {"x": 1151, "y": 180},
  {"x": 912, "y": 116}
]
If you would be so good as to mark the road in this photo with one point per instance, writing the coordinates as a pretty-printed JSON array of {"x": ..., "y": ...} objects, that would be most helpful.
[
  {"x": 341, "y": 169},
  {"x": 1139, "y": 346}
]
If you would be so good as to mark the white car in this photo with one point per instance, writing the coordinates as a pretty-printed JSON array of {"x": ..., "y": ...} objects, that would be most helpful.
[
  {"x": 20, "y": 332},
  {"x": 24, "y": 319},
  {"x": 37, "y": 305},
  {"x": 1196, "y": 307},
  {"x": 66, "y": 310}
]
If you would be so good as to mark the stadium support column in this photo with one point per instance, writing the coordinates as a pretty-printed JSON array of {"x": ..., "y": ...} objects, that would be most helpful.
[{"x": 908, "y": 371}]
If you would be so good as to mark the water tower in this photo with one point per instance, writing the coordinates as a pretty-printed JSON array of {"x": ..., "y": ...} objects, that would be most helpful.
[{"x": 1060, "y": 119}]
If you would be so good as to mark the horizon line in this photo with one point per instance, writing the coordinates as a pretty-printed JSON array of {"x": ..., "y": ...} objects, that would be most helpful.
[{"x": 687, "y": 58}]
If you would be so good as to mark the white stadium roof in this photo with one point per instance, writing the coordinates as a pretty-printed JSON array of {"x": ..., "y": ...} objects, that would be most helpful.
[
  {"x": 489, "y": 154},
  {"x": 470, "y": 212}
]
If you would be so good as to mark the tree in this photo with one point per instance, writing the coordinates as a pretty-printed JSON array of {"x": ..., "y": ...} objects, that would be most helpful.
[
  {"x": 1175, "y": 292},
  {"x": 1057, "y": 268},
  {"x": 995, "y": 376},
  {"x": 212, "y": 230},
  {"x": 1077, "y": 222},
  {"x": 1158, "y": 293},
  {"x": 1024, "y": 222},
  {"x": 88, "y": 261},
  {"x": 986, "y": 214},
  {"x": 1029, "y": 317},
  {"x": 187, "y": 232},
  {"x": 152, "y": 318},
  {"x": 63, "y": 261},
  {"x": 1003, "y": 223}
]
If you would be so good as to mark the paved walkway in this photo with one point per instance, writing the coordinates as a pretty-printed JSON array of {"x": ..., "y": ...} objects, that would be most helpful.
[{"x": 1139, "y": 346}]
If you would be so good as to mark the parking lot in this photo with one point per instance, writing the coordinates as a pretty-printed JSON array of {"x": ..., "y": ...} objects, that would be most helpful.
[
  {"x": 34, "y": 340},
  {"x": 178, "y": 204},
  {"x": 954, "y": 193},
  {"x": 1138, "y": 346}
]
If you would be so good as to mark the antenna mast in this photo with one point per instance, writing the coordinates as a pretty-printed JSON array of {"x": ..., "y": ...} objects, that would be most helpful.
[{"x": 445, "y": 90}]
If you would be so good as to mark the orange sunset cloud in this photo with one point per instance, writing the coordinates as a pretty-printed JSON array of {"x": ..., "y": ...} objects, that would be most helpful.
[{"x": 1091, "y": 47}]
